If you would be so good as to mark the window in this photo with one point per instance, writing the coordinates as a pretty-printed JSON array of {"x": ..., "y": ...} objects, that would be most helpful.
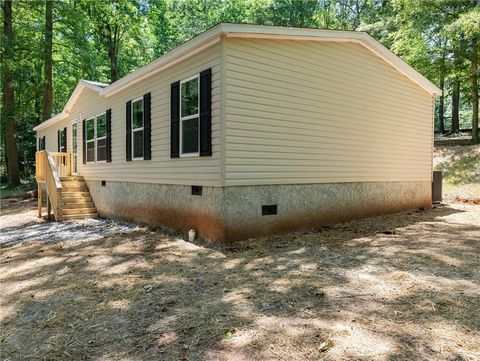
[
  {"x": 41, "y": 143},
  {"x": 62, "y": 140},
  {"x": 74, "y": 137},
  {"x": 97, "y": 139},
  {"x": 137, "y": 129},
  {"x": 90, "y": 140},
  {"x": 189, "y": 116},
  {"x": 101, "y": 137}
]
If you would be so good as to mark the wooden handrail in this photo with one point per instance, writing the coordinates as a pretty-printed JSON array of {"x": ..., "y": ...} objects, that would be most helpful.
[
  {"x": 50, "y": 167},
  {"x": 54, "y": 187}
]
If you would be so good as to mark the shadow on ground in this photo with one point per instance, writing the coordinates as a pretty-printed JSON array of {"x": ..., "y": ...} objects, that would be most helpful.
[{"x": 389, "y": 288}]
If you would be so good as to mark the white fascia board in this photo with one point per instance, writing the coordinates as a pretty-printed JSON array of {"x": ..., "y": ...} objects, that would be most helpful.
[
  {"x": 95, "y": 86},
  {"x": 182, "y": 52}
]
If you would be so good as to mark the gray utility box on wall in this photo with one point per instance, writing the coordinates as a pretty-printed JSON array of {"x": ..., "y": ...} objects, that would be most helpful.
[{"x": 437, "y": 186}]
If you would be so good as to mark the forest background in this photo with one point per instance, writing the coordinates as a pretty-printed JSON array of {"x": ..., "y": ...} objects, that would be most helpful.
[{"x": 48, "y": 46}]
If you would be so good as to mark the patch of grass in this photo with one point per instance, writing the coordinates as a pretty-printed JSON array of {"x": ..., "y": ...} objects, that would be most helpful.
[
  {"x": 461, "y": 170},
  {"x": 7, "y": 191}
]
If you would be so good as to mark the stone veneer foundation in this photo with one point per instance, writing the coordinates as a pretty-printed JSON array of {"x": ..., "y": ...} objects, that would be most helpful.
[{"x": 233, "y": 213}]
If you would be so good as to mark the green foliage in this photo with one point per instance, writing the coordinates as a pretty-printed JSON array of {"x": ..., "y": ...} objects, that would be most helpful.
[{"x": 103, "y": 40}]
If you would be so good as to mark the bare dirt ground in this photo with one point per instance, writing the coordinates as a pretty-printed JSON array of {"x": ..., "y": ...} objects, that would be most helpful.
[{"x": 397, "y": 287}]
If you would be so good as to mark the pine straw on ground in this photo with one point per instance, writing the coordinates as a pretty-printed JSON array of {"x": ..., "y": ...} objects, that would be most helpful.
[{"x": 399, "y": 287}]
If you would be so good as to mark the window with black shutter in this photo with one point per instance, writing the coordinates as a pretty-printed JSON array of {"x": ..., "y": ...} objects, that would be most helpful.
[
  {"x": 139, "y": 128},
  {"x": 191, "y": 116},
  {"x": 95, "y": 141}
]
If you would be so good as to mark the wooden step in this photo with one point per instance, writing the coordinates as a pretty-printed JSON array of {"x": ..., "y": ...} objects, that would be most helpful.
[
  {"x": 72, "y": 178},
  {"x": 68, "y": 184},
  {"x": 79, "y": 199},
  {"x": 77, "y": 205},
  {"x": 79, "y": 216},
  {"x": 67, "y": 193},
  {"x": 73, "y": 211},
  {"x": 74, "y": 189}
]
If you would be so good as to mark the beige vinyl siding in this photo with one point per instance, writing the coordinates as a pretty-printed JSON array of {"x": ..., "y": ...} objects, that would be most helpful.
[
  {"x": 161, "y": 168},
  {"x": 50, "y": 133},
  {"x": 318, "y": 112}
]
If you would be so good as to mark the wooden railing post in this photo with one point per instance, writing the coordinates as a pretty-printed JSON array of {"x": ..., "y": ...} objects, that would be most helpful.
[
  {"x": 39, "y": 196},
  {"x": 68, "y": 164},
  {"x": 49, "y": 208}
]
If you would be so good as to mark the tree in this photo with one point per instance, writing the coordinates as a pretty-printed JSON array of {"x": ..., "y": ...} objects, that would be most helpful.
[
  {"x": 474, "y": 79},
  {"x": 48, "y": 88},
  {"x": 105, "y": 40},
  {"x": 114, "y": 23},
  {"x": 442, "y": 75},
  {"x": 465, "y": 29},
  {"x": 9, "y": 95},
  {"x": 297, "y": 13},
  {"x": 456, "y": 92}
]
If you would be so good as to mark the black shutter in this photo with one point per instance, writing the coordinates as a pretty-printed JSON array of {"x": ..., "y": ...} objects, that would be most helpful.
[
  {"x": 206, "y": 113},
  {"x": 84, "y": 141},
  {"x": 109, "y": 135},
  {"x": 64, "y": 144},
  {"x": 147, "y": 126},
  {"x": 58, "y": 140},
  {"x": 175, "y": 120},
  {"x": 128, "y": 143}
]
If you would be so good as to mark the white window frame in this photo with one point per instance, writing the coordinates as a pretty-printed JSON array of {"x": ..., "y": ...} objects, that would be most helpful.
[
  {"x": 97, "y": 139},
  {"x": 63, "y": 132},
  {"x": 137, "y": 129},
  {"x": 75, "y": 144},
  {"x": 90, "y": 141},
  {"x": 197, "y": 115}
]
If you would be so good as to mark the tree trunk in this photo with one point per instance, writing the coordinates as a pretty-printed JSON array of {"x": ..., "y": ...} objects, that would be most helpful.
[
  {"x": 441, "y": 106},
  {"x": 9, "y": 97},
  {"x": 113, "y": 62},
  {"x": 456, "y": 105},
  {"x": 48, "y": 89},
  {"x": 474, "y": 78},
  {"x": 113, "y": 46}
]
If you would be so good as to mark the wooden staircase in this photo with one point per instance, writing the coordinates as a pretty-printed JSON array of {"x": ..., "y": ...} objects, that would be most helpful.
[
  {"x": 76, "y": 200},
  {"x": 67, "y": 194}
]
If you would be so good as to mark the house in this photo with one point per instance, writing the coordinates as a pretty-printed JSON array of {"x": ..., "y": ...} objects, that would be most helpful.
[{"x": 248, "y": 130}]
